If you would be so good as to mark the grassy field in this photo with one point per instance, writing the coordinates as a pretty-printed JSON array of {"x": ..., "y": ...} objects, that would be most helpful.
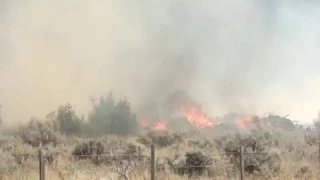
[{"x": 269, "y": 155}]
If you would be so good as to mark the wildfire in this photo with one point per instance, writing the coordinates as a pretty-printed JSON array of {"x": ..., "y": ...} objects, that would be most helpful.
[
  {"x": 247, "y": 120},
  {"x": 145, "y": 122},
  {"x": 196, "y": 116},
  {"x": 179, "y": 102},
  {"x": 159, "y": 126},
  {"x": 192, "y": 112},
  {"x": 244, "y": 121}
]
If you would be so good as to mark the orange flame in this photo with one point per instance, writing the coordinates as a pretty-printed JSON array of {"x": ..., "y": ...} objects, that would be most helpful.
[
  {"x": 180, "y": 102},
  {"x": 191, "y": 111},
  {"x": 244, "y": 121},
  {"x": 145, "y": 122},
  {"x": 159, "y": 126},
  {"x": 247, "y": 120},
  {"x": 195, "y": 116}
]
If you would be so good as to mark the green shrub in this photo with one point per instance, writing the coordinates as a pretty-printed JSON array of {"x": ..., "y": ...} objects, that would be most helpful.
[
  {"x": 113, "y": 118},
  {"x": 101, "y": 113},
  {"x": 66, "y": 120}
]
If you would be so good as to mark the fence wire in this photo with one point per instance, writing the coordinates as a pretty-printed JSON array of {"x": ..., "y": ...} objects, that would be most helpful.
[{"x": 125, "y": 163}]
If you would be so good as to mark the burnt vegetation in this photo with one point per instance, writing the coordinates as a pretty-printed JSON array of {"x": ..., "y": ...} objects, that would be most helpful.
[{"x": 111, "y": 136}]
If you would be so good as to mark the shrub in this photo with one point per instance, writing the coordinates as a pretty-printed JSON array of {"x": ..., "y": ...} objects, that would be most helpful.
[
  {"x": 160, "y": 138},
  {"x": 191, "y": 163},
  {"x": 316, "y": 123},
  {"x": 197, "y": 163},
  {"x": 202, "y": 142},
  {"x": 133, "y": 152},
  {"x": 122, "y": 121},
  {"x": 311, "y": 138},
  {"x": 260, "y": 157},
  {"x": 113, "y": 118},
  {"x": 304, "y": 172},
  {"x": 177, "y": 162},
  {"x": 66, "y": 120},
  {"x": 109, "y": 152},
  {"x": 7, "y": 163},
  {"x": 101, "y": 113},
  {"x": 281, "y": 123},
  {"x": 89, "y": 150},
  {"x": 37, "y": 133},
  {"x": 19, "y": 150},
  {"x": 130, "y": 153}
]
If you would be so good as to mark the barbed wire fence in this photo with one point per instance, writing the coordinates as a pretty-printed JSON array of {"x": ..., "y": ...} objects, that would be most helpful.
[
  {"x": 150, "y": 164},
  {"x": 123, "y": 169}
]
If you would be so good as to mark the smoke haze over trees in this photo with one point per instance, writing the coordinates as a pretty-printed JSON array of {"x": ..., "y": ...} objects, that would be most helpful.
[{"x": 253, "y": 56}]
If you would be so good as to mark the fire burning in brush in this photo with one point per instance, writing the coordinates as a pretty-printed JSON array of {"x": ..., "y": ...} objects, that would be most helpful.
[
  {"x": 180, "y": 103},
  {"x": 159, "y": 126},
  {"x": 193, "y": 113},
  {"x": 244, "y": 121},
  {"x": 145, "y": 122}
]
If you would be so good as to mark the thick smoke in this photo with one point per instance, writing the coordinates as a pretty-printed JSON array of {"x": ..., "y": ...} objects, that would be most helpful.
[{"x": 233, "y": 56}]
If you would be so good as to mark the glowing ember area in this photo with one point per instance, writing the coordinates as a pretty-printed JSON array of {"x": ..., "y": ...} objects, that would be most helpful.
[
  {"x": 144, "y": 122},
  {"x": 247, "y": 120},
  {"x": 196, "y": 116},
  {"x": 159, "y": 126},
  {"x": 244, "y": 121}
]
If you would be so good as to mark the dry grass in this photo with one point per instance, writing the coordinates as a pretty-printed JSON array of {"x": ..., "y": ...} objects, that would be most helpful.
[
  {"x": 104, "y": 173},
  {"x": 298, "y": 159}
]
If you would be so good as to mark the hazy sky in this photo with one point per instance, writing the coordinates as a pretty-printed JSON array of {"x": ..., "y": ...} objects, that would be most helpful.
[
  {"x": 299, "y": 23},
  {"x": 246, "y": 56}
]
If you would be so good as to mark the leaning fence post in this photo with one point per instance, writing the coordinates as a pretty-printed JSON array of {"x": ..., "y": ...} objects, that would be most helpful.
[
  {"x": 241, "y": 164},
  {"x": 41, "y": 165},
  {"x": 153, "y": 172}
]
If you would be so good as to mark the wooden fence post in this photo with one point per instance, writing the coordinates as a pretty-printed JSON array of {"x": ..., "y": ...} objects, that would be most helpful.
[
  {"x": 41, "y": 165},
  {"x": 153, "y": 171},
  {"x": 319, "y": 150},
  {"x": 241, "y": 163}
]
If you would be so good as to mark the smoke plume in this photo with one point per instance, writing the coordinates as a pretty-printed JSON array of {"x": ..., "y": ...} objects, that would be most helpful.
[{"x": 240, "y": 56}]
